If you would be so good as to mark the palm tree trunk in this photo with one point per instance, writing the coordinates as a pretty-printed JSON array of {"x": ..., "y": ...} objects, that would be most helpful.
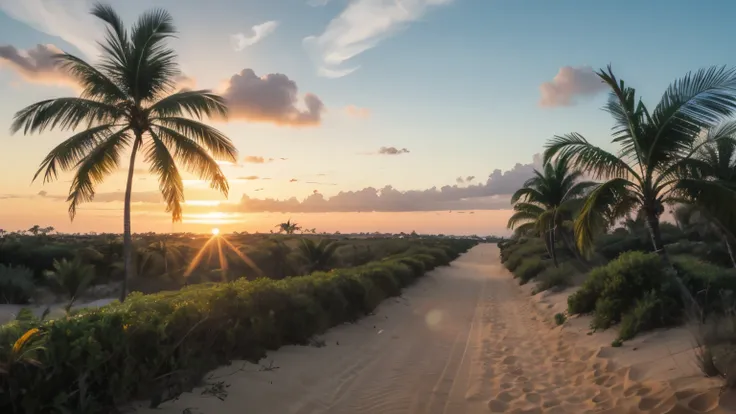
[
  {"x": 656, "y": 234},
  {"x": 129, "y": 269},
  {"x": 692, "y": 307},
  {"x": 552, "y": 251},
  {"x": 729, "y": 247}
]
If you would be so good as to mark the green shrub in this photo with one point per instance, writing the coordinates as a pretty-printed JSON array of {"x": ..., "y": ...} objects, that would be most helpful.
[
  {"x": 529, "y": 268},
  {"x": 555, "y": 277},
  {"x": 560, "y": 318},
  {"x": 149, "y": 343},
  {"x": 646, "y": 314},
  {"x": 708, "y": 283},
  {"x": 614, "y": 290},
  {"x": 16, "y": 284}
]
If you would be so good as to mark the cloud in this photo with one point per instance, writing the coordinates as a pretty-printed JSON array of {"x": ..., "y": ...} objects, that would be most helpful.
[
  {"x": 240, "y": 41},
  {"x": 293, "y": 180},
  {"x": 69, "y": 20},
  {"x": 185, "y": 82},
  {"x": 272, "y": 98},
  {"x": 361, "y": 26},
  {"x": 462, "y": 180},
  {"x": 357, "y": 112},
  {"x": 392, "y": 151},
  {"x": 36, "y": 65},
  {"x": 249, "y": 178},
  {"x": 493, "y": 194},
  {"x": 568, "y": 85},
  {"x": 256, "y": 159}
]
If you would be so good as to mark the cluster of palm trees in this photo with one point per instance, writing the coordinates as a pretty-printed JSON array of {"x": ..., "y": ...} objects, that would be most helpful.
[{"x": 682, "y": 152}]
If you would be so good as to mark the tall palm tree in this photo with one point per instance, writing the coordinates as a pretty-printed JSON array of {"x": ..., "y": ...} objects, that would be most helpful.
[
  {"x": 129, "y": 103},
  {"x": 547, "y": 201},
  {"x": 655, "y": 159}
]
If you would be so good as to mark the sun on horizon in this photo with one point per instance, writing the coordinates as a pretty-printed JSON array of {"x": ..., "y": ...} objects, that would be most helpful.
[{"x": 215, "y": 231}]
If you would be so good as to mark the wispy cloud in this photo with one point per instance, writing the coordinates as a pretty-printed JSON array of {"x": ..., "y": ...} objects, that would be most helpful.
[
  {"x": 36, "y": 65},
  {"x": 69, "y": 20},
  {"x": 360, "y": 27},
  {"x": 257, "y": 159},
  {"x": 392, "y": 151},
  {"x": 240, "y": 41},
  {"x": 568, "y": 85},
  {"x": 357, "y": 112}
]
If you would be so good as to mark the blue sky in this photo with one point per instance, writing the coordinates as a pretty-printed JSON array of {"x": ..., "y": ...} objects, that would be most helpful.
[{"x": 457, "y": 83}]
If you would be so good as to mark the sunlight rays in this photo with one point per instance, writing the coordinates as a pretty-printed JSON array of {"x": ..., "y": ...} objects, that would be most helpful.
[{"x": 209, "y": 249}]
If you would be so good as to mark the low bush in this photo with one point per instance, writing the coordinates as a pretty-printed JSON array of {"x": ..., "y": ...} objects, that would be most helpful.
[
  {"x": 16, "y": 284},
  {"x": 560, "y": 318},
  {"x": 552, "y": 277},
  {"x": 153, "y": 344},
  {"x": 529, "y": 268},
  {"x": 615, "y": 289},
  {"x": 648, "y": 313}
]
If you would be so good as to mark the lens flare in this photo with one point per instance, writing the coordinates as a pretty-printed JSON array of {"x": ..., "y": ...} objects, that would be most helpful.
[{"x": 215, "y": 231}]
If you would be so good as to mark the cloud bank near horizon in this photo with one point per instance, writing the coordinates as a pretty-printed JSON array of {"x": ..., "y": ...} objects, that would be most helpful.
[{"x": 493, "y": 194}]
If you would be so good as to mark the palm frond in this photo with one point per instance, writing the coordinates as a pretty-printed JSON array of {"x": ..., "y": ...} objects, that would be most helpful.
[
  {"x": 117, "y": 37},
  {"x": 602, "y": 203},
  {"x": 696, "y": 101},
  {"x": 194, "y": 103},
  {"x": 64, "y": 113},
  {"x": 67, "y": 154},
  {"x": 215, "y": 141},
  {"x": 528, "y": 193},
  {"x": 96, "y": 85},
  {"x": 162, "y": 164},
  {"x": 712, "y": 196},
  {"x": 152, "y": 63},
  {"x": 194, "y": 157},
  {"x": 627, "y": 114},
  {"x": 586, "y": 157},
  {"x": 93, "y": 168}
]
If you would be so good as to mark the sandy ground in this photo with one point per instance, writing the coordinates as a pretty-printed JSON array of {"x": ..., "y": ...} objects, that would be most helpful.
[{"x": 465, "y": 339}]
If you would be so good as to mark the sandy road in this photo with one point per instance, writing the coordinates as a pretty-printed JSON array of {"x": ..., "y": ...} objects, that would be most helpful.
[{"x": 462, "y": 340}]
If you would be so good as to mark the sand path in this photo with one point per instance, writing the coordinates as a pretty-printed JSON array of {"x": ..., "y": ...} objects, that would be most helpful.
[{"x": 462, "y": 340}]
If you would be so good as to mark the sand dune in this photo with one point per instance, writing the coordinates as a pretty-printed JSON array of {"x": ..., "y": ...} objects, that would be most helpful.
[{"x": 465, "y": 339}]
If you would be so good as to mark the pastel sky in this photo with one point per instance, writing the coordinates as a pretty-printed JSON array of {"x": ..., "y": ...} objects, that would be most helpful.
[{"x": 359, "y": 115}]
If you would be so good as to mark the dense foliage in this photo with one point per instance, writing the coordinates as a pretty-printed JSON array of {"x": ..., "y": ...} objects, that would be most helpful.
[{"x": 156, "y": 345}]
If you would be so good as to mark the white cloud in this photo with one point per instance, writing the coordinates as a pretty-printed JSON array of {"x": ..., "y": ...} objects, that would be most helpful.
[
  {"x": 569, "y": 85},
  {"x": 360, "y": 27},
  {"x": 69, "y": 20},
  {"x": 240, "y": 41}
]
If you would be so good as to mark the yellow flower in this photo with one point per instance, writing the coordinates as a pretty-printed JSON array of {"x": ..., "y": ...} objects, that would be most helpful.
[{"x": 23, "y": 339}]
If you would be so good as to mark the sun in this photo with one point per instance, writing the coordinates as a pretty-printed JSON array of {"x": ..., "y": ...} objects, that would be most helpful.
[{"x": 215, "y": 231}]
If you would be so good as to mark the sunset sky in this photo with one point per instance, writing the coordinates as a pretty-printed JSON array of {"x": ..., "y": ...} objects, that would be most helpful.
[{"x": 358, "y": 115}]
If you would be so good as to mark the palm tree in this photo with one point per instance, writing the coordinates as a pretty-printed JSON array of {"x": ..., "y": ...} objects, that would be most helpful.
[
  {"x": 166, "y": 251},
  {"x": 128, "y": 103},
  {"x": 656, "y": 155},
  {"x": 288, "y": 227},
  {"x": 318, "y": 256},
  {"x": 547, "y": 202},
  {"x": 718, "y": 158},
  {"x": 73, "y": 276}
]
